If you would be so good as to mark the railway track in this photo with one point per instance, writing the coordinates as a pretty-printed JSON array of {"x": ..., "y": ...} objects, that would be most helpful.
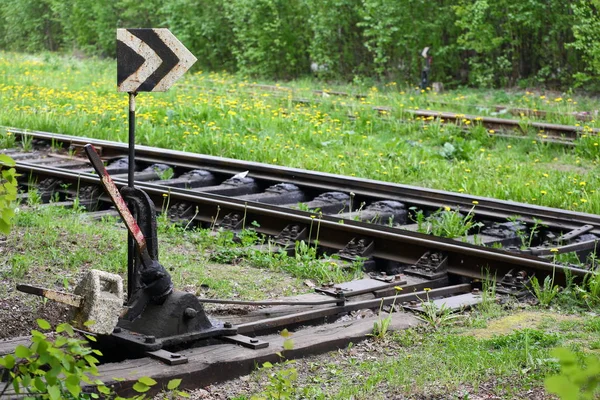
[
  {"x": 504, "y": 127},
  {"x": 583, "y": 116},
  {"x": 359, "y": 220},
  {"x": 286, "y": 202}
]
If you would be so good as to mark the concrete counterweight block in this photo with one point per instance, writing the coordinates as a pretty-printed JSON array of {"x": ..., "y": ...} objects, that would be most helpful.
[{"x": 102, "y": 294}]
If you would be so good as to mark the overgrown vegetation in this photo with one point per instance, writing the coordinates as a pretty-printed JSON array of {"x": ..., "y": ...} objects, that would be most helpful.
[
  {"x": 8, "y": 192},
  {"x": 223, "y": 115},
  {"x": 482, "y": 43},
  {"x": 57, "y": 365}
]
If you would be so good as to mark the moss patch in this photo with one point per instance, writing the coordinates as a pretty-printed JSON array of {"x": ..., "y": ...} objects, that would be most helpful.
[{"x": 521, "y": 320}]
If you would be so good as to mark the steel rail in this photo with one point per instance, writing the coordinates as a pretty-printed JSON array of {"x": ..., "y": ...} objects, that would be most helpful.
[
  {"x": 390, "y": 244},
  {"x": 485, "y": 207},
  {"x": 516, "y": 111},
  {"x": 556, "y": 130},
  {"x": 521, "y": 111}
]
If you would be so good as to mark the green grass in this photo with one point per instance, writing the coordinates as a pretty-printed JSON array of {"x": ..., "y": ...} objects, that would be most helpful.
[
  {"x": 224, "y": 115},
  {"x": 53, "y": 246},
  {"x": 449, "y": 363}
]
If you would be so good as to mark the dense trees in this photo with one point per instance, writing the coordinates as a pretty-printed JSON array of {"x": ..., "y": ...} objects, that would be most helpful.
[{"x": 478, "y": 42}]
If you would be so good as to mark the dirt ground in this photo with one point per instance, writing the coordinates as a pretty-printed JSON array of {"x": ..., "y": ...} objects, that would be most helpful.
[{"x": 18, "y": 313}]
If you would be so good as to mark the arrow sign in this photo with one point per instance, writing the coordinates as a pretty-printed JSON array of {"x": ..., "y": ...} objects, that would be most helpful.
[{"x": 150, "y": 60}]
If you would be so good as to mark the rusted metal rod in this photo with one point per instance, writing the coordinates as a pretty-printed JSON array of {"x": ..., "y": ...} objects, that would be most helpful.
[
  {"x": 312, "y": 315},
  {"x": 270, "y": 302}
]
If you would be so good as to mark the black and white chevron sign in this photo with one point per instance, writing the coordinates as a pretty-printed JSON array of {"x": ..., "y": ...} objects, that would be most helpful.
[{"x": 150, "y": 60}]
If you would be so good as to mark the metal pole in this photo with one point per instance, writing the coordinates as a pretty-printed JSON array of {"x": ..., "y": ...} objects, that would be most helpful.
[
  {"x": 131, "y": 138},
  {"x": 131, "y": 250}
]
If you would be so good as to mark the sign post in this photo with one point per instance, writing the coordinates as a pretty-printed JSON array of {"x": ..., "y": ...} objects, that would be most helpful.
[{"x": 148, "y": 60}]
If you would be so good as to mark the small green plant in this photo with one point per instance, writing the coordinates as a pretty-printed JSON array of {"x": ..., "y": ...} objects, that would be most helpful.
[
  {"x": 436, "y": 317},
  {"x": 52, "y": 368},
  {"x": 27, "y": 143},
  {"x": 382, "y": 325},
  {"x": 526, "y": 239},
  {"x": 8, "y": 192},
  {"x": 575, "y": 381},
  {"x": 281, "y": 383},
  {"x": 546, "y": 292},
  {"x": 57, "y": 364},
  {"x": 7, "y": 139},
  {"x": 55, "y": 145},
  {"x": 488, "y": 293},
  {"x": 166, "y": 174},
  {"x": 447, "y": 223},
  {"x": 589, "y": 291},
  {"x": 33, "y": 197},
  {"x": 304, "y": 207}
]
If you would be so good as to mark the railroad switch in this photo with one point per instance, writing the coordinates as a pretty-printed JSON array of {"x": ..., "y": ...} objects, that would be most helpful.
[{"x": 155, "y": 316}]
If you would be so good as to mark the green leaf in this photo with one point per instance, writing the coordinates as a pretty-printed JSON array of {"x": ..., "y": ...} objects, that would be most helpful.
[
  {"x": 285, "y": 333},
  {"x": 6, "y": 160},
  {"x": 182, "y": 394},
  {"x": 288, "y": 344},
  {"x": 39, "y": 385},
  {"x": 7, "y": 361},
  {"x": 22, "y": 351},
  {"x": 42, "y": 323},
  {"x": 91, "y": 360},
  {"x": 103, "y": 389},
  {"x": 173, "y": 384},
  {"x": 565, "y": 356},
  {"x": 64, "y": 327},
  {"x": 37, "y": 334},
  {"x": 54, "y": 392},
  {"x": 87, "y": 324},
  {"x": 72, "y": 384},
  {"x": 562, "y": 386},
  {"x": 146, "y": 380},
  {"x": 140, "y": 387},
  {"x": 91, "y": 338},
  {"x": 267, "y": 364}
]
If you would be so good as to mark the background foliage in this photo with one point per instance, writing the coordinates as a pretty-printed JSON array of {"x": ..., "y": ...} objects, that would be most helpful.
[{"x": 478, "y": 42}]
